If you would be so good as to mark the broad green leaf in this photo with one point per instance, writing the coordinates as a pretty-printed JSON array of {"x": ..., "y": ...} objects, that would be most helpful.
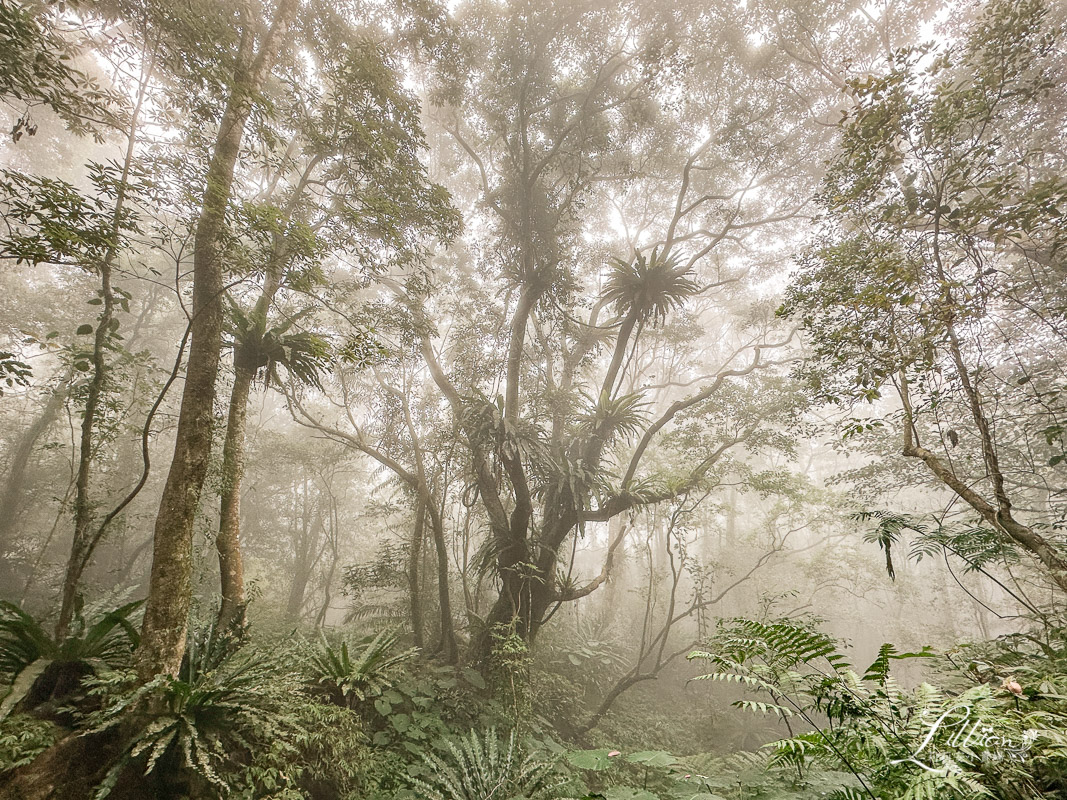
[{"x": 590, "y": 759}]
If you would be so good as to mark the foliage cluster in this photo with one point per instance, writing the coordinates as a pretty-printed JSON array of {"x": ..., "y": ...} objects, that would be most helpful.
[{"x": 994, "y": 728}]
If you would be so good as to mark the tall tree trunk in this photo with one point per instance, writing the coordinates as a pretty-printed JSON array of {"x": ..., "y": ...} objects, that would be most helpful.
[
  {"x": 304, "y": 557},
  {"x": 86, "y": 539},
  {"x": 247, "y": 360},
  {"x": 414, "y": 562},
  {"x": 527, "y": 590},
  {"x": 327, "y": 582},
  {"x": 82, "y": 546},
  {"x": 447, "y": 647},
  {"x": 231, "y": 617},
  {"x": 297, "y": 591},
  {"x": 169, "y": 595},
  {"x": 621, "y": 342},
  {"x": 527, "y": 301},
  {"x": 525, "y": 596}
]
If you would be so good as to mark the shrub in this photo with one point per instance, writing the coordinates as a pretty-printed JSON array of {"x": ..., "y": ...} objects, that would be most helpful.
[{"x": 985, "y": 735}]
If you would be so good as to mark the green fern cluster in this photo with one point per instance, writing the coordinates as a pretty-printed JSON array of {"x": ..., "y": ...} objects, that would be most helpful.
[
  {"x": 238, "y": 722},
  {"x": 23, "y": 640},
  {"x": 482, "y": 767},
  {"x": 348, "y": 677},
  {"x": 987, "y": 738},
  {"x": 39, "y": 669},
  {"x": 204, "y": 729},
  {"x": 22, "y": 739}
]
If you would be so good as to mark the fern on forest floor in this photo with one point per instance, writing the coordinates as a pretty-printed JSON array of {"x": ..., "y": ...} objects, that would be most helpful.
[
  {"x": 990, "y": 737},
  {"x": 484, "y": 767},
  {"x": 204, "y": 728},
  {"x": 350, "y": 675}
]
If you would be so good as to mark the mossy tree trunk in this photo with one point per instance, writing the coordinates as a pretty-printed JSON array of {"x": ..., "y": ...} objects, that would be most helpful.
[
  {"x": 228, "y": 542},
  {"x": 166, "y": 613}
]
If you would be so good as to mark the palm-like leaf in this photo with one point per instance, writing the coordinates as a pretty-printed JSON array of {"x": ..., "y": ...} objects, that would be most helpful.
[
  {"x": 39, "y": 668},
  {"x": 649, "y": 288},
  {"x": 304, "y": 355},
  {"x": 24, "y": 640}
]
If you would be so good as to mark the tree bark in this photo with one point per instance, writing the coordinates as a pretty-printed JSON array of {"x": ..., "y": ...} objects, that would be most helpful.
[
  {"x": 527, "y": 301},
  {"x": 414, "y": 561},
  {"x": 247, "y": 361},
  {"x": 166, "y": 613},
  {"x": 621, "y": 342},
  {"x": 231, "y": 618},
  {"x": 447, "y": 647}
]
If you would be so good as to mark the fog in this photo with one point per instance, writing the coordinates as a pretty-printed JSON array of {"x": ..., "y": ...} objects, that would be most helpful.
[{"x": 546, "y": 399}]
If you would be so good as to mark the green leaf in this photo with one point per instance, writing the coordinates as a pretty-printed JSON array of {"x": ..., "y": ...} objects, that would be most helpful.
[
  {"x": 84, "y": 330},
  {"x": 590, "y": 759},
  {"x": 628, "y": 793},
  {"x": 474, "y": 678},
  {"x": 22, "y": 685},
  {"x": 652, "y": 758}
]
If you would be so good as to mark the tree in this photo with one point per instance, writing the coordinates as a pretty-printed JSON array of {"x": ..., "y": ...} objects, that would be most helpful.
[
  {"x": 51, "y": 221},
  {"x": 166, "y": 612},
  {"x": 350, "y": 185},
  {"x": 939, "y": 277},
  {"x": 12, "y": 499},
  {"x": 401, "y": 443},
  {"x": 557, "y": 432}
]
